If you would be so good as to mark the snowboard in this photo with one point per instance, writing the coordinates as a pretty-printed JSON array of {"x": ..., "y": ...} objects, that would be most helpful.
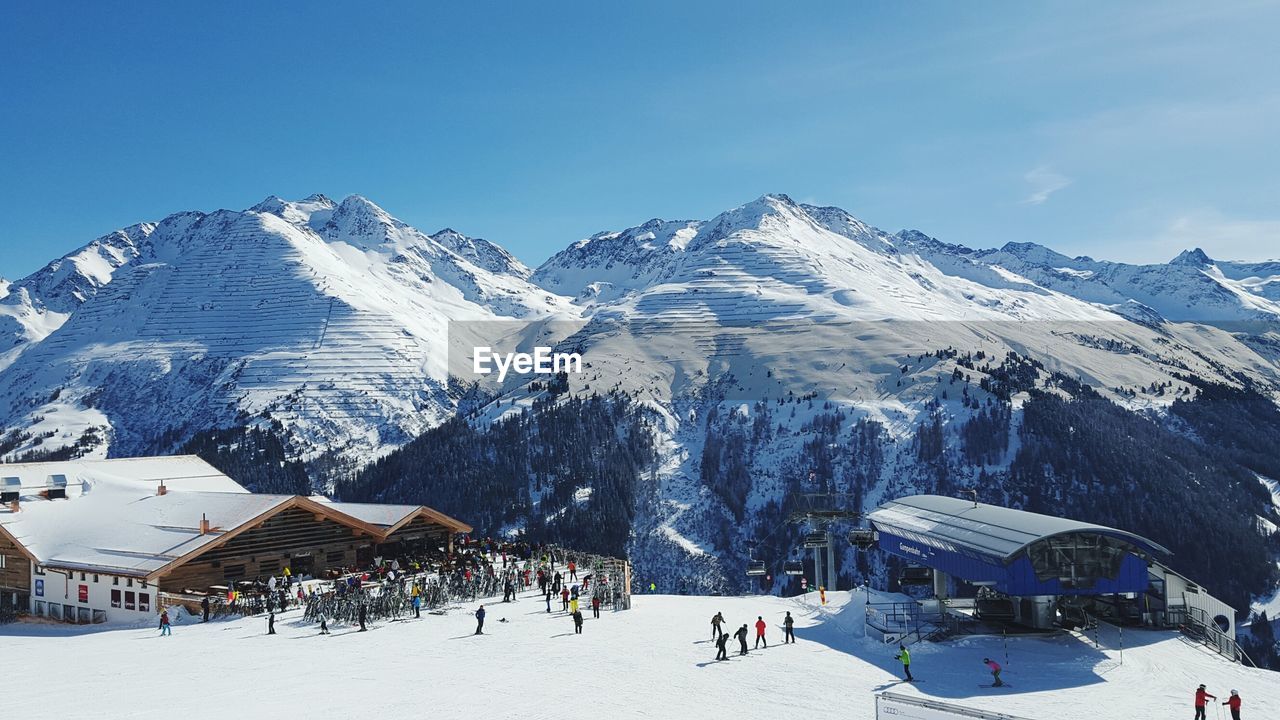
[{"x": 989, "y": 685}]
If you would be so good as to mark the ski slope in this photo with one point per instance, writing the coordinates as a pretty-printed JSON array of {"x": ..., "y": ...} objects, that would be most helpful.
[{"x": 654, "y": 661}]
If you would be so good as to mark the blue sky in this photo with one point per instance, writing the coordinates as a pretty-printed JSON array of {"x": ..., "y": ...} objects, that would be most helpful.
[{"x": 1115, "y": 130}]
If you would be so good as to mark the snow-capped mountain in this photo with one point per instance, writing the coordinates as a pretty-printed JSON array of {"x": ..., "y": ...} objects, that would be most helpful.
[
  {"x": 774, "y": 346},
  {"x": 321, "y": 316},
  {"x": 1190, "y": 288}
]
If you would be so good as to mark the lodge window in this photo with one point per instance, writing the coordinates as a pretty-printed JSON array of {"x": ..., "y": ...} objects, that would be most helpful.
[
  {"x": 130, "y": 599},
  {"x": 144, "y": 583},
  {"x": 95, "y": 578},
  {"x": 115, "y": 598},
  {"x": 39, "y": 569},
  {"x": 115, "y": 581},
  {"x": 144, "y": 602},
  {"x": 81, "y": 577},
  {"x": 129, "y": 583},
  {"x": 2, "y": 562}
]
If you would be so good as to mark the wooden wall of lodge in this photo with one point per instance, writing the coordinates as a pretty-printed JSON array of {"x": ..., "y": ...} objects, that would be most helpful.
[
  {"x": 16, "y": 573},
  {"x": 267, "y": 549}
]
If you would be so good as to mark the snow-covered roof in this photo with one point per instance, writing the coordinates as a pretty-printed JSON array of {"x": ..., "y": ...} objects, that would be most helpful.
[
  {"x": 392, "y": 517},
  {"x": 114, "y": 520},
  {"x": 989, "y": 530}
]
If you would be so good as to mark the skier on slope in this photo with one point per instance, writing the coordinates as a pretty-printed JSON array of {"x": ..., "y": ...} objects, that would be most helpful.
[
  {"x": 995, "y": 671},
  {"x": 716, "y": 621},
  {"x": 595, "y": 606},
  {"x": 1233, "y": 704},
  {"x": 742, "y": 639},
  {"x": 165, "y": 627},
  {"x": 721, "y": 652},
  {"x": 480, "y": 621},
  {"x": 1202, "y": 699},
  {"x": 905, "y": 656},
  {"x": 204, "y": 608},
  {"x": 788, "y": 624},
  {"x": 577, "y": 621},
  {"x": 760, "y": 638},
  {"x": 564, "y": 599},
  {"x": 271, "y": 623},
  {"x": 362, "y": 617}
]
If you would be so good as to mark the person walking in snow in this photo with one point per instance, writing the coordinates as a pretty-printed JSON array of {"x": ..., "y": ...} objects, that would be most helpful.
[
  {"x": 788, "y": 624},
  {"x": 548, "y": 599},
  {"x": 324, "y": 626},
  {"x": 742, "y": 639},
  {"x": 480, "y": 621},
  {"x": 995, "y": 671},
  {"x": 1233, "y": 704},
  {"x": 595, "y": 606},
  {"x": 573, "y": 570},
  {"x": 165, "y": 628},
  {"x": 760, "y": 626},
  {"x": 555, "y": 583},
  {"x": 577, "y": 621},
  {"x": 1202, "y": 699},
  {"x": 362, "y": 617},
  {"x": 271, "y": 623},
  {"x": 904, "y": 656},
  {"x": 721, "y": 642},
  {"x": 716, "y": 621},
  {"x": 204, "y": 608},
  {"x": 564, "y": 599}
]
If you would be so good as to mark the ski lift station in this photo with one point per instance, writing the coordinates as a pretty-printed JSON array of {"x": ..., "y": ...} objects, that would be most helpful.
[{"x": 1039, "y": 570}]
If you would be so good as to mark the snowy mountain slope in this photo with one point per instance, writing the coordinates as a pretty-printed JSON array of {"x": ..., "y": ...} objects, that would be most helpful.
[
  {"x": 323, "y": 317},
  {"x": 37, "y": 305},
  {"x": 714, "y": 324},
  {"x": 1192, "y": 287},
  {"x": 613, "y": 667}
]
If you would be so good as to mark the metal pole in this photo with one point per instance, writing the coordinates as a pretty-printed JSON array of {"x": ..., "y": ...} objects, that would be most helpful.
[
  {"x": 831, "y": 564},
  {"x": 817, "y": 569}
]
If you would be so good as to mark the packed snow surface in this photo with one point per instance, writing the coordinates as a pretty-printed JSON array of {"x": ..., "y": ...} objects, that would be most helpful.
[{"x": 654, "y": 661}]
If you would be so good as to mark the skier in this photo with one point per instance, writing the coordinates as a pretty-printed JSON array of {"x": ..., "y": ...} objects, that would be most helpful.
[
  {"x": 1233, "y": 704},
  {"x": 362, "y": 617},
  {"x": 760, "y": 626},
  {"x": 271, "y": 623},
  {"x": 324, "y": 626},
  {"x": 577, "y": 621},
  {"x": 417, "y": 605},
  {"x": 573, "y": 570},
  {"x": 548, "y": 599},
  {"x": 716, "y": 621},
  {"x": 595, "y": 606},
  {"x": 995, "y": 671},
  {"x": 787, "y": 623},
  {"x": 742, "y": 639},
  {"x": 555, "y": 583},
  {"x": 1202, "y": 698},
  {"x": 165, "y": 628},
  {"x": 204, "y": 608},
  {"x": 573, "y": 606},
  {"x": 564, "y": 599},
  {"x": 722, "y": 653},
  {"x": 905, "y": 656},
  {"x": 480, "y": 621}
]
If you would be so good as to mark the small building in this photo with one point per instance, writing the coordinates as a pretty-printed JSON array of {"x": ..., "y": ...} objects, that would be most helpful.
[
  {"x": 101, "y": 540},
  {"x": 1041, "y": 563}
]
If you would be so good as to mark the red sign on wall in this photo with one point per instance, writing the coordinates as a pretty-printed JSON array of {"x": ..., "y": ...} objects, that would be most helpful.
[{"x": 84, "y": 593}]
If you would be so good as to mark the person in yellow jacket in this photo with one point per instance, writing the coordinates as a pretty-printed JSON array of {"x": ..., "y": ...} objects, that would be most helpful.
[{"x": 573, "y": 606}]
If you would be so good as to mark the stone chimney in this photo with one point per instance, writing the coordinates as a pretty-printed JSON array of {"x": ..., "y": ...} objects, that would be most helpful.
[
  {"x": 204, "y": 523},
  {"x": 162, "y": 490}
]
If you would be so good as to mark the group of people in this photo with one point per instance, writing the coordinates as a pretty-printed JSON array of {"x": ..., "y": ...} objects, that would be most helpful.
[
  {"x": 1203, "y": 697},
  {"x": 721, "y": 638}
]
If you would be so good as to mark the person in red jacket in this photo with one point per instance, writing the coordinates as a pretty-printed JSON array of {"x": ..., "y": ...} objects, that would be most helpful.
[
  {"x": 1202, "y": 698},
  {"x": 1234, "y": 704},
  {"x": 595, "y": 606},
  {"x": 760, "y": 638}
]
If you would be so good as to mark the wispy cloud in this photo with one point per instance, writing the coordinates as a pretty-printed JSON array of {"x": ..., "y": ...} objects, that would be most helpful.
[{"x": 1044, "y": 181}]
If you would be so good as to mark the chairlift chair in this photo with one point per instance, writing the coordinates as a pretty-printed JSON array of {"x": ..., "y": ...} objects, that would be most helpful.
[
  {"x": 793, "y": 567},
  {"x": 816, "y": 539},
  {"x": 755, "y": 568}
]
